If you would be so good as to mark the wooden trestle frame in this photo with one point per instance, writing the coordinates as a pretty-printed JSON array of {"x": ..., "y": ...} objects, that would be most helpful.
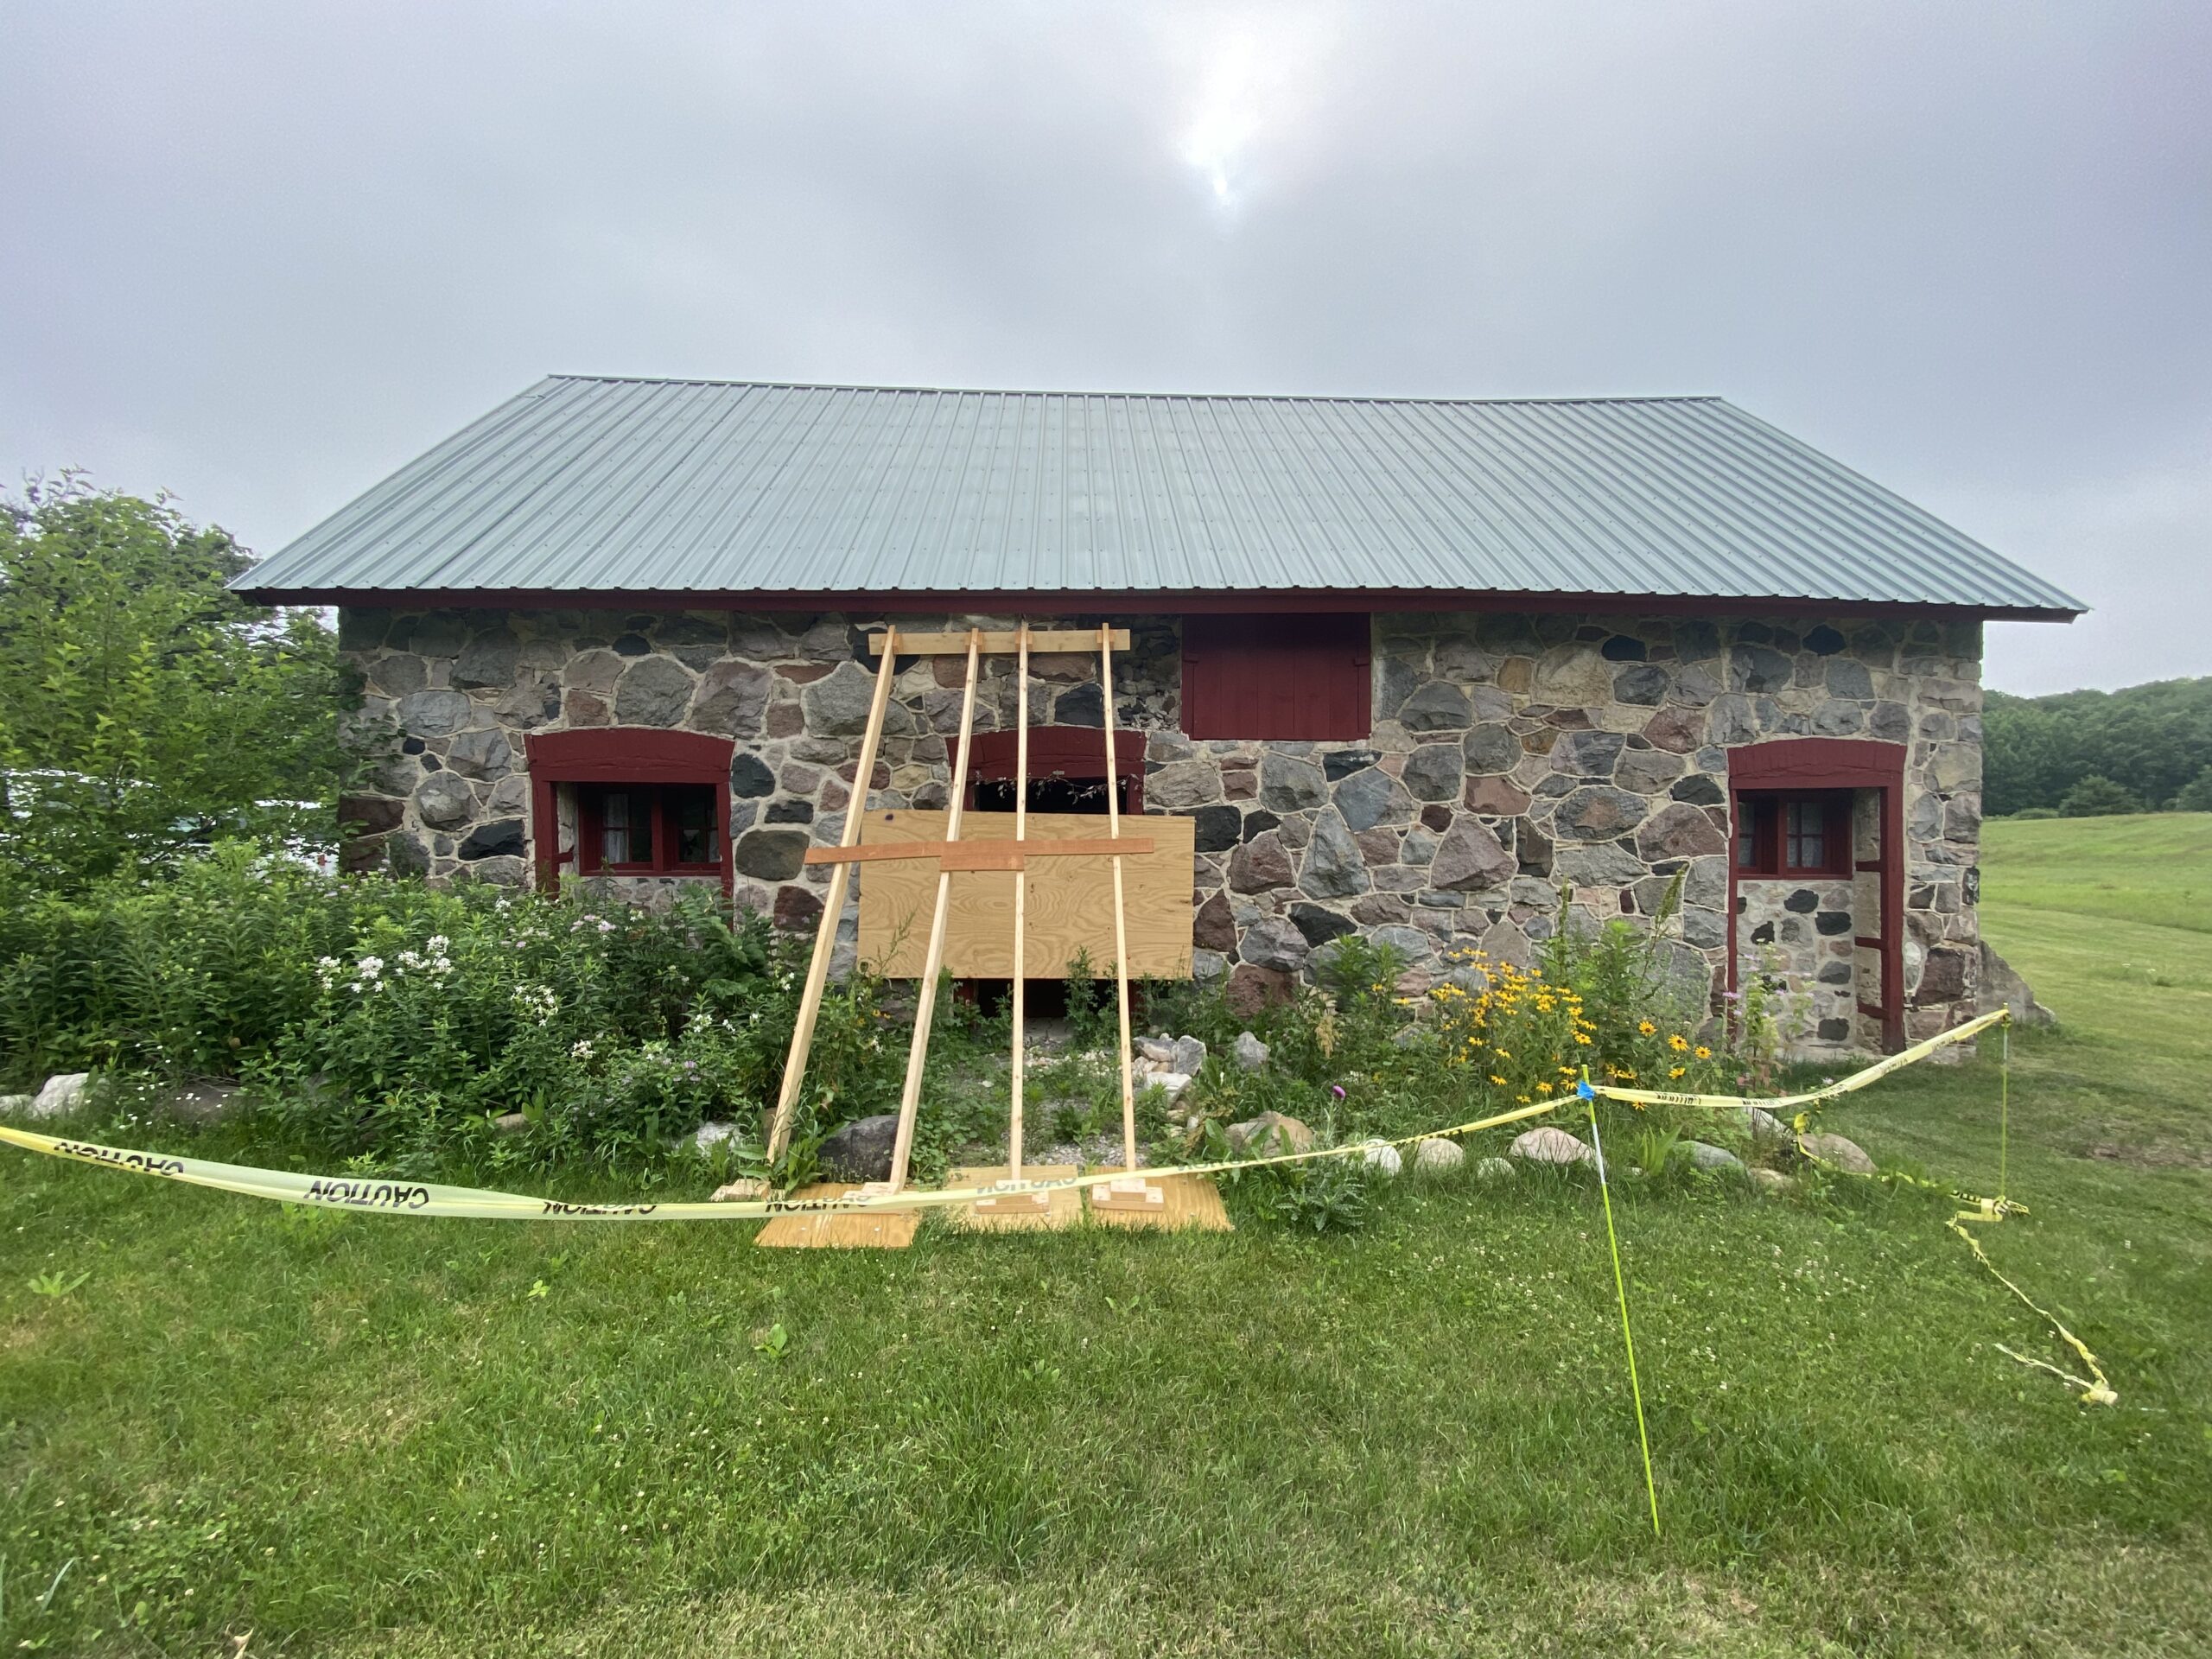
[{"x": 1131, "y": 1191}]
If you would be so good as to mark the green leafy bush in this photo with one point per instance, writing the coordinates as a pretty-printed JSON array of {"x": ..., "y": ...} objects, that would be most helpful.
[{"x": 2098, "y": 796}]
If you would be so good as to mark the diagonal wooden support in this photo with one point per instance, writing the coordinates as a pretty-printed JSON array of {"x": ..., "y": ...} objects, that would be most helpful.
[
  {"x": 833, "y": 910},
  {"x": 910, "y": 1098}
]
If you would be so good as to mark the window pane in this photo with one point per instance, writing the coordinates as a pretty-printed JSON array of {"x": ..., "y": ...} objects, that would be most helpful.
[
  {"x": 1808, "y": 825},
  {"x": 692, "y": 819},
  {"x": 626, "y": 829}
]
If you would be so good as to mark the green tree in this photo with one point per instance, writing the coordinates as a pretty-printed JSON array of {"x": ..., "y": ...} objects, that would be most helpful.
[
  {"x": 2151, "y": 738},
  {"x": 145, "y": 709},
  {"x": 2097, "y": 797},
  {"x": 2196, "y": 794}
]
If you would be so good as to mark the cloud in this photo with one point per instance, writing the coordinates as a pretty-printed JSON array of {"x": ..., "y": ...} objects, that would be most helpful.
[{"x": 266, "y": 253}]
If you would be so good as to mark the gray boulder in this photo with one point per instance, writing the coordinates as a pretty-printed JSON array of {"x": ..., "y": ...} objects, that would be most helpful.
[
  {"x": 63, "y": 1094},
  {"x": 1189, "y": 1056},
  {"x": 1270, "y": 1133},
  {"x": 861, "y": 1150},
  {"x": 1550, "y": 1146},
  {"x": 2003, "y": 988},
  {"x": 1381, "y": 1155},
  {"x": 1714, "y": 1160},
  {"x": 707, "y": 1136},
  {"x": 1837, "y": 1152},
  {"x": 1767, "y": 1129},
  {"x": 1434, "y": 1156},
  {"x": 1493, "y": 1171},
  {"x": 1249, "y": 1052},
  {"x": 204, "y": 1102}
]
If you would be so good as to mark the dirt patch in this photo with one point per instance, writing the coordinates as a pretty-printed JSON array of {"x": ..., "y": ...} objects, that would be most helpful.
[{"x": 2163, "y": 1155}]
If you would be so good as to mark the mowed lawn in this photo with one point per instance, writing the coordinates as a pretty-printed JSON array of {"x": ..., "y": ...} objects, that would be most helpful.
[{"x": 353, "y": 1435}]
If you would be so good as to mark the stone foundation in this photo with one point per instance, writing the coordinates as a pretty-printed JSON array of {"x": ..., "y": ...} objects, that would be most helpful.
[{"x": 1509, "y": 754}]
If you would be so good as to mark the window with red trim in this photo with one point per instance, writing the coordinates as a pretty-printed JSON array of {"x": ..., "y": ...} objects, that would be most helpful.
[
  {"x": 1283, "y": 678},
  {"x": 1793, "y": 833},
  {"x": 648, "y": 830}
]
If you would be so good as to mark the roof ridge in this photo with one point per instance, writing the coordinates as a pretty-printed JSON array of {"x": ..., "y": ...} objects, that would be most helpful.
[{"x": 1183, "y": 397}]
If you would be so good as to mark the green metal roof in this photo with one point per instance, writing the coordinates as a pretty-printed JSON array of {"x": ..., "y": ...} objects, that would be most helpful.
[{"x": 722, "y": 490}]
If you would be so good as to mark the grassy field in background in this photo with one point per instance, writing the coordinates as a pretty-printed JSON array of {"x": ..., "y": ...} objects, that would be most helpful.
[
  {"x": 355, "y": 1435},
  {"x": 2153, "y": 867}
]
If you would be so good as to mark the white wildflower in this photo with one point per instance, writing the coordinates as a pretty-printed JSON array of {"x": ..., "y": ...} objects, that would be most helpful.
[
  {"x": 581, "y": 1050},
  {"x": 369, "y": 967}
]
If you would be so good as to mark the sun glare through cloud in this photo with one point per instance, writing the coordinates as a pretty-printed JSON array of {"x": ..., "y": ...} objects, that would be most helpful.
[{"x": 1252, "y": 76}]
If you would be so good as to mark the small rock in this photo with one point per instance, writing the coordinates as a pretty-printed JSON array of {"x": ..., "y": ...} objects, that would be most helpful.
[
  {"x": 1766, "y": 1129},
  {"x": 1270, "y": 1132},
  {"x": 510, "y": 1123},
  {"x": 1771, "y": 1181},
  {"x": 1381, "y": 1155},
  {"x": 1550, "y": 1146},
  {"x": 1249, "y": 1054},
  {"x": 1836, "y": 1152},
  {"x": 1435, "y": 1156},
  {"x": 1174, "y": 1083},
  {"x": 739, "y": 1190},
  {"x": 204, "y": 1102},
  {"x": 707, "y": 1136},
  {"x": 1712, "y": 1159},
  {"x": 62, "y": 1094},
  {"x": 1492, "y": 1170},
  {"x": 1156, "y": 1048},
  {"x": 1189, "y": 1056},
  {"x": 861, "y": 1150},
  {"x": 1411, "y": 1037}
]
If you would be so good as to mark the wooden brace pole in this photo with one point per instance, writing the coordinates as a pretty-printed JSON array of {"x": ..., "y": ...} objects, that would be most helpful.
[
  {"x": 833, "y": 909},
  {"x": 910, "y": 1098},
  {"x": 1121, "y": 925},
  {"x": 1020, "y": 887}
]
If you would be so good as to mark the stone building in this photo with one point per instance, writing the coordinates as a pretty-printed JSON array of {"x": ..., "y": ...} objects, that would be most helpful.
[{"x": 1411, "y": 667}]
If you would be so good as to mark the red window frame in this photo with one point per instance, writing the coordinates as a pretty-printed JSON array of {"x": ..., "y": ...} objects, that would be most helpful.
[
  {"x": 1279, "y": 677},
  {"x": 662, "y": 834},
  {"x": 624, "y": 758},
  {"x": 1806, "y": 765},
  {"x": 1770, "y": 830}
]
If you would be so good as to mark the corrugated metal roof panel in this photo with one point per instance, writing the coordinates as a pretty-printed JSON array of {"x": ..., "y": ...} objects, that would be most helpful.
[{"x": 583, "y": 486}]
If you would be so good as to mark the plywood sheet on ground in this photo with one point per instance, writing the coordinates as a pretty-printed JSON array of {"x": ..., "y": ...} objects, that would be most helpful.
[
  {"x": 1071, "y": 902},
  {"x": 1065, "y": 1206},
  {"x": 867, "y": 1230},
  {"x": 1194, "y": 1204}
]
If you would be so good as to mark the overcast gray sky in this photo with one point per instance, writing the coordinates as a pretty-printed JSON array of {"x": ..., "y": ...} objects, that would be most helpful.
[{"x": 261, "y": 254}]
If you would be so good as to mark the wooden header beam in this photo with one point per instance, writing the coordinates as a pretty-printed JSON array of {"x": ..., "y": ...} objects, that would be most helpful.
[{"x": 956, "y": 644}]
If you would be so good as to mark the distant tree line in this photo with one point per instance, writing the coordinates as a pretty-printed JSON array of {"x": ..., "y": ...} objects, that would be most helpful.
[{"x": 2086, "y": 753}]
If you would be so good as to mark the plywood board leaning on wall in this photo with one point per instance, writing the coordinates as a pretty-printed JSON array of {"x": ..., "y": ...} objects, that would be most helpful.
[{"x": 1070, "y": 898}]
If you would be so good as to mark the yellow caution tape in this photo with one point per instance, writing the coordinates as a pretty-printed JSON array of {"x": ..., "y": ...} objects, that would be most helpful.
[
  {"x": 2099, "y": 1392},
  {"x": 386, "y": 1195},
  {"x": 1856, "y": 1080}
]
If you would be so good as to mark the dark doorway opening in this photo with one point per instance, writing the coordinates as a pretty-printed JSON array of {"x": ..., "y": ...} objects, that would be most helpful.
[{"x": 1080, "y": 795}]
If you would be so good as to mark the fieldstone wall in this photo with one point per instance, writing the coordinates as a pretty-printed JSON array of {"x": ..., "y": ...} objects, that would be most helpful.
[{"x": 1509, "y": 754}]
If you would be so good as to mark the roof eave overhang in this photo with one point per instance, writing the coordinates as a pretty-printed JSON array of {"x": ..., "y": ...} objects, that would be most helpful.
[{"x": 1141, "y": 603}]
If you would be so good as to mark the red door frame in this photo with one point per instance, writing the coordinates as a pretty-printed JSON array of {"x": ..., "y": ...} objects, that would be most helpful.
[
  {"x": 1811, "y": 763},
  {"x": 622, "y": 754},
  {"x": 1057, "y": 752}
]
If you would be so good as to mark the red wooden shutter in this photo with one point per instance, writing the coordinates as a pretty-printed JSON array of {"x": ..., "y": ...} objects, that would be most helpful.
[{"x": 1284, "y": 677}]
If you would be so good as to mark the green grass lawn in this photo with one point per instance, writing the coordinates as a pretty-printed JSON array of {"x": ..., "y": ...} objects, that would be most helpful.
[{"x": 353, "y": 1435}]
